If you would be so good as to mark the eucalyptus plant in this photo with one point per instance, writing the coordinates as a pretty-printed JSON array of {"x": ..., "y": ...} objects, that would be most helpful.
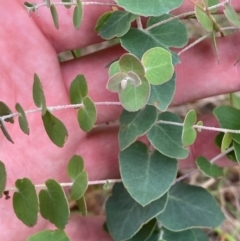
[{"x": 149, "y": 202}]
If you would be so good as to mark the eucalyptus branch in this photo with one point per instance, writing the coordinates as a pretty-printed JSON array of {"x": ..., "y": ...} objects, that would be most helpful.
[
  {"x": 184, "y": 15},
  {"x": 211, "y": 161},
  {"x": 59, "y": 107},
  {"x": 68, "y": 184}
]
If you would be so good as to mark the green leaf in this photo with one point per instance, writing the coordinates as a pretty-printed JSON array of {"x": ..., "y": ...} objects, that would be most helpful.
[
  {"x": 142, "y": 171},
  {"x": 236, "y": 146},
  {"x": 226, "y": 141},
  {"x": 78, "y": 89},
  {"x": 22, "y": 119},
  {"x": 54, "y": 14},
  {"x": 199, "y": 123},
  {"x": 189, "y": 134},
  {"x": 208, "y": 168},
  {"x": 5, "y": 110},
  {"x": 100, "y": 22},
  {"x": 134, "y": 98},
  {"x": 3, "y": 178},
  {"x": 231, "y": 14},
  {"x": 145, "y": 232},
  {"x": 54, "y": 204},
  {"x": 87, "y": 116},
  {"x": 55, "y": 129},
  {"x": 129, "y": 62},
  {"x": 190, "y": 206},
  {"x": 5, "y": 132},
  {"x": 125, "y": 216},
  {"x": 47, "y": 3},
  {"x": 203, "y": 18},
  {"x": 49, "y": 235},
  {"x": 114, "y": 68},
  {"x": 158, "y": 65},
  {"x": 235, "y": 100},
  {"x": 78, "y": 14},
  {"x": 187, "y": 235},
  {"x": 25, "y": 202},
  {"x": 67, "y": 1},
  {"x": 166, "y": 138},
  {"x": 228, "y": 117},
  {"x": 132, "y": 125},
  {"x": 81, "y": 204},
  {"x": 212, "y": 3},
  {"x": 153, "y": 8},
  {"x": 155, "y": 235},
  {"x": 114, "y": 82},
  {"x": 38, "y": 94},
  {"x": 162, "y": 95},
  {"x": 116, "y": 25},
  {"x": 75, "y": 166}
]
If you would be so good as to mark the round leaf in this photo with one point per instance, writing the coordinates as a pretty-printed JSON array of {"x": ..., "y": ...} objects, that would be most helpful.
[
  {"x": 49, "y": 235},
  {"x": 54, "y": 204},
  {"x": 3, "y": 178},
  {"x": 87, "y": 116},
  {"x": 75, "y": 166},
  {"x": 158, "y": 65},
  {"x": 22, "y": 119},
  {"x": 25, "y": 202},
  {"x": 114, "y": 68},
  {"x": 150, "y": 169},
  {"x": 55, "y": 129}
]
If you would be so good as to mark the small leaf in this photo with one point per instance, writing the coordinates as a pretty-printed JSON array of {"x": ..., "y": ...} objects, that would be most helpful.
[
  {"x": 82, "y": 207},
  {"x": 106, "y": 185},
  {"x": 231, "y": 14},
  {"x": 114, "y": 68},
  {"x": 25, "y": 202},
  {"x": 208, "y": 168},
  {"x": 53, "y": 204},
  {"x": 49, "y": 235},
  {"x": 75, "y": 166},
  {"x": 226, "y": 141},
  {"x": 125, "y": 216},
  {"x": 22, "y": 119},
  {"x": 3, "y": 178},
  {"x": 54, "y": 15},
  {"x": 158, "y": 65},
  {"x": 116, "y": 24},
  {"x": 203, "y": 18},
  {"x": 29, "y": 5},
  {"x": 189, "y": 134},
  {"x": 142, "y": 171},
  {"x": 199, "y": 123},
  {"x": 132, "y": 125},
  {"x": 114, "y": 83},
  {"x": 100, "y": 22},
  {"x": 87, "y": 116},
  {"x": 38, "y": 94},
  {"x": 67, "y": 1},
  {"x": 190, "y": 206},
  {"x": 162, "y": 95},
  {"x": 78, "y": 89},
  {"x": 5, "y": 132},
  {"x": 166, "y": 138},
  {"x": 55, "y": 129},
  {"x": 78, "y": 14},
  {"x": 5, "y": 110}
]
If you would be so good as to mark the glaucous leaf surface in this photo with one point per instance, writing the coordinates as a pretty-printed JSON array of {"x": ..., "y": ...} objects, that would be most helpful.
[
  {"x": 22, "y": 119},
  {"x": 55, "y": 129},
  {"x": 208, "y": 168},
  {"x": 201, "y": 207},
  {"x": 3, "y": 178},
  {"x": 25, "y": 202},
  {"x": 162, "y": 95},
  {"x": 146, "y": 175},
  {"x": 114, "y": 68},
  {"x": 38, "y": 94},
  {"x": 78, "y": 89},
  {"x": 228, "y": 117},
  {"x": 158, "y": 65},
  {"x": 49, "y": 235},
  {"x": 135, "y": 124},
  {"x": 114, "y": 82},
  {"x": 87, "y": 115},
  {"x": 189, "y": 134},
  {"x": 116, "y": 24},
  {"x": 54, "y": 14},
  {"x": 166, "y": 138},
  {"x": 125, "y": 216},
  {"x": 54, "y": 204},
  {"x": 186, "y": 235},
  {"x": 78, "y": 14},
  {"x": 146, "y": 8},
  {"x": 102, "y": 19}
]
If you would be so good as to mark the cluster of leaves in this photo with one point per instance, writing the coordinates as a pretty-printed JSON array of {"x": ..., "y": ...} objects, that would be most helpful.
[{"x": 149, "y": 203}]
